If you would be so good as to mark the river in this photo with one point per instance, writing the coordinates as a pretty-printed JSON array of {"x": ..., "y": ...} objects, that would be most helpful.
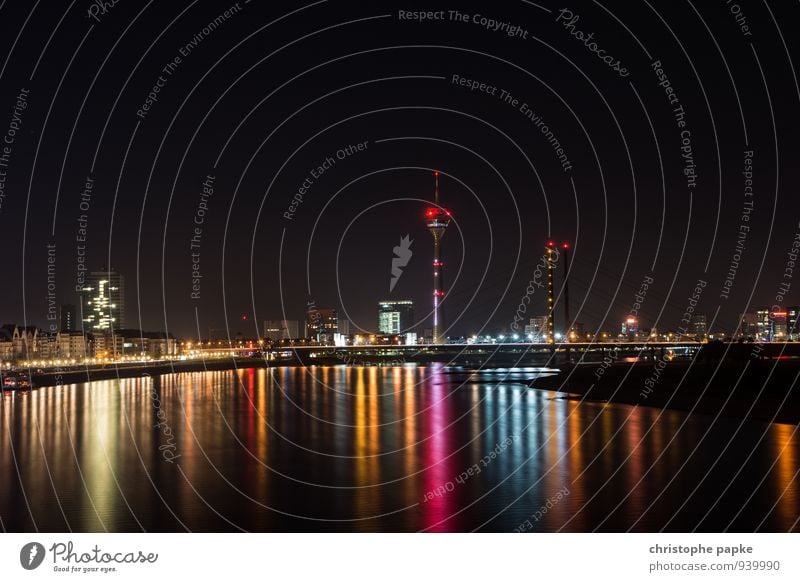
[{"x": 406, "y": 448}]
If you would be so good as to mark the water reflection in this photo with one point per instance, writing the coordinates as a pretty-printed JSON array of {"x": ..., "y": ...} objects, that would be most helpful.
[{"x": 405, "y": 448}]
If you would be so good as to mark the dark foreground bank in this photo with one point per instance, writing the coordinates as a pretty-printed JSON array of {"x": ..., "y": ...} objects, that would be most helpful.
[{"x": 758, "y": 389}]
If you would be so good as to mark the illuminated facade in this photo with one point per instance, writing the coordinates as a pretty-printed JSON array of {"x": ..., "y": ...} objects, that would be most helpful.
[
  {"x": 791, "y": 322},
  {"x": 103, "y": 301},
  {"x": 395, "y": 317},
  {"x": 778, "y": 331},
  {"x": 762, "y": 325}
]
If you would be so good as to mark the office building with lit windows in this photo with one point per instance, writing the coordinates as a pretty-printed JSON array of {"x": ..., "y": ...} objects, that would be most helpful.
[
  {"x": 103, "y": 301},
  {"x": 778, "y": 326},
  {"x": 322, "y": 324},
  {"x": 395, "y": 317},
  {"x": 791, "y": 321},
  {"x": 763, "y": 327}
]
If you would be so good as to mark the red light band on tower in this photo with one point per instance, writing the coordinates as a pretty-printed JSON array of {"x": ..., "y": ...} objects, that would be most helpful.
[{"x": 437, "y": 219}]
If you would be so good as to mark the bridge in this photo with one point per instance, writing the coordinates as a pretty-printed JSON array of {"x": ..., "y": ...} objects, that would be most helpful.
[
  {"x": 504, "y": 354},
  {"x": 482, "y": 354}
]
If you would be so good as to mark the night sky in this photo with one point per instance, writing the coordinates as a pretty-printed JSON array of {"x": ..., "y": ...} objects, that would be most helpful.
[{"x": 262, "y": 95}]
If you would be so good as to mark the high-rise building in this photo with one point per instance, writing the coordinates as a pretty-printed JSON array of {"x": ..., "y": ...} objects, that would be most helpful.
[
  {"x": 344, "y": 327},
  {"x": 778, "y": 326},
  {"x": 793, "y": 331},
  {"x": 748, "y": 327},
  {"x": 763, "y": 326},
  {"x": 68, "y": 318},
  {"x": 395, "y": 317},
  {"x": 321, "y": 324},
  {"x": 281, "y": 329},
  {"x": 699, "y": 326},
  {"x": 103, "y": 301}
]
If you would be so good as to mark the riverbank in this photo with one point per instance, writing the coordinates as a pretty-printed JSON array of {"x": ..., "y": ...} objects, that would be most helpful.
[
  {"x": 111, "y": 372},
  {"x": 765, "y": 390}
]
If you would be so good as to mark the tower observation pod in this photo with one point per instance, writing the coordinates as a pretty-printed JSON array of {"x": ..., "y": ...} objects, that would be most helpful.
[{"x": 437, "y": 219}]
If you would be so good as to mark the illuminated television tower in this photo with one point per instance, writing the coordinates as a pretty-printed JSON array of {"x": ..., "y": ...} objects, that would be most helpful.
[{"x": 437, "y": 219}]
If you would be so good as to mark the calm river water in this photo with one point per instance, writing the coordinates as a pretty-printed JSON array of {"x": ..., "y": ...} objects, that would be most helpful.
[{"x": 379, "y": 449}]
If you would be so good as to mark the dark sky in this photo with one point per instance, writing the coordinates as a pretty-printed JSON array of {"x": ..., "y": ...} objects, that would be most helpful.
[{"x": 265, "y": 96}]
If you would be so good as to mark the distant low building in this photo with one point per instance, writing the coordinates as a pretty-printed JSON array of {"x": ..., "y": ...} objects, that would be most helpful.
[
  {"x": 71, "y": 345},
  {"x": 6, "y": 344},
  {"x": 24, "y": 340},
  {"x": 281, "y": 329},
  {"x": 154, "y": 344},
  {"x": 536, "y": 330}
]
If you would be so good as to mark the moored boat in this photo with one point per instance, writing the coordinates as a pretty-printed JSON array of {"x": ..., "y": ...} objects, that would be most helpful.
[{"x": 17, "y": 381}]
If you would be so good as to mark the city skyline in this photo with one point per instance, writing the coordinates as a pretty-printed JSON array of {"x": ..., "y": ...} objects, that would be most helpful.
[
  {"x": 333, "y": 267},
  {"x": 221, "y": 222}
]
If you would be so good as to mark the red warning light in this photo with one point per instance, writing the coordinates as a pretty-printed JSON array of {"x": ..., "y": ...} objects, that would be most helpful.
[
  {"x": 436, "y": 173},
  {"x": 565, "y": 246},
  {"x": 244, "y": 317},
  {"x": 551, "y": 244}
]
